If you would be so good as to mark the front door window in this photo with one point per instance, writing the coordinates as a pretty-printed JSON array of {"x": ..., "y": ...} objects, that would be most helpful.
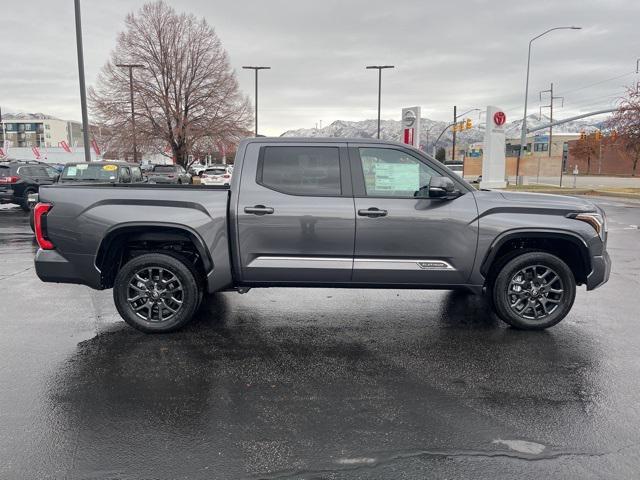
[{"x": 393, "y": 173}]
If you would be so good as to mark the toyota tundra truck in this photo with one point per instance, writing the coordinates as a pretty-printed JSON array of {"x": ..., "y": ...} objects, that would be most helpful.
[{"x": 321, "y": 213}]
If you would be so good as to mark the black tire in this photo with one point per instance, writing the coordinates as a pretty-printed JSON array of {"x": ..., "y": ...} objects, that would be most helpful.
[
  {"x": 24, "y": 204},
  {"x": 178, "y": 301},
  {"x": 533, "y": 291}
]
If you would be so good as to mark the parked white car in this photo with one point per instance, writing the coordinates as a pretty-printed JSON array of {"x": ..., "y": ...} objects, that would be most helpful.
[{"x": 220, "y": 175}]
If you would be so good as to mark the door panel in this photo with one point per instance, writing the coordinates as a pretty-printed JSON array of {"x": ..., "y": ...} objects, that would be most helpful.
[
  {"x": 293, "y": 237},
  {"x": 405, "y": 240}
]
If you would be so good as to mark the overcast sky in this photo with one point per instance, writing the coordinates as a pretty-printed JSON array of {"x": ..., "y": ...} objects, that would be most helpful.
[{"x": 465, "y": 52}]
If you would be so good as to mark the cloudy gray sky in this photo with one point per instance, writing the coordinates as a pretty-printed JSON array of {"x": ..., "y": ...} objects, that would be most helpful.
[{"x": 465, "y": 52}]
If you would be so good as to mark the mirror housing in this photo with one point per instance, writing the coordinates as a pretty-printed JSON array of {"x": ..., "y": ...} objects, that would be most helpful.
[{"x": 442, "y": 187}]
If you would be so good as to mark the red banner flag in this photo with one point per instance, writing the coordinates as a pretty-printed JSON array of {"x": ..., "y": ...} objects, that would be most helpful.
[
  {"x": 36, "y": 152},
  {"x": 95, "y": 146},
  {"x": 65, "y": 146},
  {"x": 2, "y": 154}
]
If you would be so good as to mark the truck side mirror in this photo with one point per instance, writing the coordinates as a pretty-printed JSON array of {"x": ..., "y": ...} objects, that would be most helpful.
[{"x": 441, "y": 187}]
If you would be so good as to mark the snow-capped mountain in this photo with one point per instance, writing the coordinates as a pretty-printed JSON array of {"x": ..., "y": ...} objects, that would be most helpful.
[{"x": 431, "y": 129}]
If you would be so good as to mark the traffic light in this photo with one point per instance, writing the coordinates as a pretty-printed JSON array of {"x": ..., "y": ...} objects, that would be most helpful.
[
  {"x": 583, "y": 135},
  {"x": 468, "y": 124},
  {"x": 598, "y": 135}
]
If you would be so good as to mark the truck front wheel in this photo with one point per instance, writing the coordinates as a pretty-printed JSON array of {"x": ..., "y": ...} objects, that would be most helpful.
[
  {"x": 156, "y": 293},
  {"x": 534, "y": 291}
]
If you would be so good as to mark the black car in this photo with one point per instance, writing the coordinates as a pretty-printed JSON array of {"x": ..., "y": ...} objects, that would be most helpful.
[{"x": 20, "y": 178}]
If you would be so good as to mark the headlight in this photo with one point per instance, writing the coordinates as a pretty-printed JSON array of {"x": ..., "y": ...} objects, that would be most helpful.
[{"x": 596, "y": 220}]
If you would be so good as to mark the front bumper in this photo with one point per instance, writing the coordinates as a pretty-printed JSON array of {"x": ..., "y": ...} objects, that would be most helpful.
[{"x": 600, "y": 270}]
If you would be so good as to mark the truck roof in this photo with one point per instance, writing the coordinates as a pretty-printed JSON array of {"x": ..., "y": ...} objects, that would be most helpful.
[{"x": 321, "y": 140}]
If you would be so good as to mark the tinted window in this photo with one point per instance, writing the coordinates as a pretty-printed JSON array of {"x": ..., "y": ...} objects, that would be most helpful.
[
  {"x": 215, "y": 171},
  {"x": 301, "y": 170},
  {"x": 393, "y": 173},
  {"x": 164, "y": 169},
  {"x": 33, "y": 171}
]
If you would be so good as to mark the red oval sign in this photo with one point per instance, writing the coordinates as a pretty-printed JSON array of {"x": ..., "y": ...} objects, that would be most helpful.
[{"x": 499, "y": 118}]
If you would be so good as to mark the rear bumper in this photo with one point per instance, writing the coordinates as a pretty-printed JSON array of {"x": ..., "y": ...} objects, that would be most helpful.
[
  {"x": 8, "y": 196},
  {"x": 600, "y": 270},
  {"x": 51, "y": 266}
]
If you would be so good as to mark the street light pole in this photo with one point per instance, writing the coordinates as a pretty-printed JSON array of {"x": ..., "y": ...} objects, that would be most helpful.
[
  {"x": 131, "y": 66},
  {"x": 83, "y": 90},
  {"x": 523, "y": 135},
  {"x": 255, "y": 69},
  {"x": 379, "y": 68}
]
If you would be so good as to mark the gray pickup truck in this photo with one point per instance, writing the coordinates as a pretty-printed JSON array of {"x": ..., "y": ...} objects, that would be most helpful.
[{"x": 321, "y": 213}]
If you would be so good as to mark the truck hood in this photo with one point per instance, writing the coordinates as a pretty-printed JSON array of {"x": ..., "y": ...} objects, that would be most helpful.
[
  {"x": 548, "y": 200},
  {"x": 496, "y": 200}
]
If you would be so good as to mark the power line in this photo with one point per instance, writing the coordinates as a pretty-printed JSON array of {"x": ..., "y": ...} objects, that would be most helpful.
[{"x": 564, "y": 92}]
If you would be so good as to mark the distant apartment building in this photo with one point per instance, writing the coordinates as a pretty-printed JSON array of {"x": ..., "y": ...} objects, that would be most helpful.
[{"x": 37, "y": 130}]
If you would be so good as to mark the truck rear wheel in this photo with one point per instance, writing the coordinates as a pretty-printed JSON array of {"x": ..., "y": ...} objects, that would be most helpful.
[
  {"x": 156, "y": 293},
  {"x": 534, "y": 291}
]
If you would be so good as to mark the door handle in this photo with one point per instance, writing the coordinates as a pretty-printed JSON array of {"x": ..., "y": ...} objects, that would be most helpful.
[
  {"x": 372, "y": 212},
  {"x": 259, "y": 210}
]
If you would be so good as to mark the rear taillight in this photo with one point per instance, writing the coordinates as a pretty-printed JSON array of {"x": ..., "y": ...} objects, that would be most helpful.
[
  {"x": 13, "y": 179},
  {"x": 226, "y": 176},
  {"x": 40, "y": 225}
]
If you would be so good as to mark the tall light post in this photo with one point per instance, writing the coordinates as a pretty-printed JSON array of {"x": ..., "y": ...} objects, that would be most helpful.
[
  {"x": 523, "y": 135},
  {"x": 131, "y": 66},
  {"x": 83, "y": 89},
  {"x": 379, "y": 68},
  {"x": 256, "y": 70}
]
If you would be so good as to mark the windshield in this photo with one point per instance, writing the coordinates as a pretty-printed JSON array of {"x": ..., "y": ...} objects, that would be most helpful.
[
  {"x": 216, "y": 171},
  {"x": 165, "y": 169},
  {"x": 84, "y": 172}
]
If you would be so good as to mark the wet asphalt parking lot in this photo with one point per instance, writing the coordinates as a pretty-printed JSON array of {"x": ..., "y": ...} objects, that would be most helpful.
[{"x": 333, "y": 384}]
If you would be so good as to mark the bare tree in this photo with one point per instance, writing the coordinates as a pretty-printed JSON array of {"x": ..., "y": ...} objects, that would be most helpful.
[
  {"x": 186, "y": 96},
  {"x": 625, "y": 122}
]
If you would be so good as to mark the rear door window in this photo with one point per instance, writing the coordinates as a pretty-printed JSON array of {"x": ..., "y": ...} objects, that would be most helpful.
[
  {"x": 5, "y": 171},
  {"x": 301, "y": 170},
  {"x": 136, "y": 174}
]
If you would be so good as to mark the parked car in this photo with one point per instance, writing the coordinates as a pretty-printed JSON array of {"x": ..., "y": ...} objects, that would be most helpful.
[
  {"x": 20, "y": 178},
  {"x": 93, "y": 172},
  {"x": 456, "y": 168},
  {"x": 321, "y": 213},
  {"x": 169, "y": 174},
  {"x": 197, "y": 169},
  {"x": 101, "y": 172},
  {"x": 216, "y": 175}
]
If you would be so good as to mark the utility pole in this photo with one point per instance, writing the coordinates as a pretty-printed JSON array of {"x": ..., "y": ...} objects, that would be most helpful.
[
  {"x": 83, "y": 89},
  {"x": 379, "y": 68},
  {"x": 256, "y": 69},
  {"x": 131, "y": 66},
  {"x": 552, "y": 98},
  {"x": 455, "y": 120}
]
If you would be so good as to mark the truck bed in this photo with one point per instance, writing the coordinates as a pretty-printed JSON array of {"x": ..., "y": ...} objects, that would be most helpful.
[{"x": 83, "y": 217}]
